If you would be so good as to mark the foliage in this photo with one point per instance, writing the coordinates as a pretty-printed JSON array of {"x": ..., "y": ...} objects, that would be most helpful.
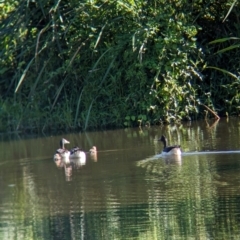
[
  {"x": 97, "y": 63},
  {"x": 222, "y": 64}
]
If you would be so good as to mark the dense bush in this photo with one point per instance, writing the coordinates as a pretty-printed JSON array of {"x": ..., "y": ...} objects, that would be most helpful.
[{"x": 92, "y": 64}]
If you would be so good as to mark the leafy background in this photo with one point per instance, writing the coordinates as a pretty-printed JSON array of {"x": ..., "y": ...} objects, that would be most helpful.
[{"x": 96, "y": 64}]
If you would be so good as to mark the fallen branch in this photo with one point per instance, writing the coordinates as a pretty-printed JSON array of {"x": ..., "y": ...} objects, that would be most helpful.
[{"x": 210, "y": 110}]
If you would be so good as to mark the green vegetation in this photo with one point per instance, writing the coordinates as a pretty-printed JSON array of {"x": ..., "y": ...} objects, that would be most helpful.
[{"x": 92, "y": 64}]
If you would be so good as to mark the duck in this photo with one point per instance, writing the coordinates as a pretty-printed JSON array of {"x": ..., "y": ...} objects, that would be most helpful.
[
  {"x": 93, "y": 150},
  {"x": 93, "y": 153},
  {"x": 62, "y": 152},
  {"x": 174, "y": 150},
  {"x": 77, "y": 152}
]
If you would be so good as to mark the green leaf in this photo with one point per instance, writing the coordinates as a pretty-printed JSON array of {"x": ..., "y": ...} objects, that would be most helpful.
[
  {"x": 224, "y": 71},
  {"x": 220, "y": 40},
  {"x": 228, "y": 48}
]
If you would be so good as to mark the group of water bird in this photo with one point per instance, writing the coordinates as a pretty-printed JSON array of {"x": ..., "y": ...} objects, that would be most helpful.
[{"x": 75, "y": 153}]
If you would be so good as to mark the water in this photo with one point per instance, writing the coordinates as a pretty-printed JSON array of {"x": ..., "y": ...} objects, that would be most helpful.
[{"x": 128, "y": 191}]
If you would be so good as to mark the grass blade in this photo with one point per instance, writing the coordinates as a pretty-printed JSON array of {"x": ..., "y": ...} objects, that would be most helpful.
[
  {"x": 220, "y": 40},
  {"x": 224, "y": 71},
  {"x": 228, "y": 48}
]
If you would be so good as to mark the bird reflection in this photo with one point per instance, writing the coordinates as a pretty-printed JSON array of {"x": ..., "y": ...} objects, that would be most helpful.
[
  {"x": 70, "y": 163},
  {"x": 78, "y": 162},
  {"x": 175, "y": 159},
  {"x": 68, "y": 172},
  {"x": 159, "y": 164}
]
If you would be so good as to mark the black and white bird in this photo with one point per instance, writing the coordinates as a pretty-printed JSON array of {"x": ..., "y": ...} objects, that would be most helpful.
[
  {"x": 174, "y": 150},
  {"x": 77, "y": 152}
]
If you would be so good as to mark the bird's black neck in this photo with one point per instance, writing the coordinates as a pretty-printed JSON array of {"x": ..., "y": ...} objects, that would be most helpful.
[
  {"x": 62, "y": 145},
  {"x": 164, "y": 142}
]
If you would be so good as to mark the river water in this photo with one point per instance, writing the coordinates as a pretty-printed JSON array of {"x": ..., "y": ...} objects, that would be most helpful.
[{"x": 126, "y": 191}]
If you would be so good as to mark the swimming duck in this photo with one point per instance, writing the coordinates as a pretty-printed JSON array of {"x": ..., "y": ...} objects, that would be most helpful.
[
  {"x": 170, "y": 150},
  {"x": 62, "y": 152},
  {"x": 93, "y": 153},
  {"x": 77, "y": 152},
  {"x": 93, "y": 150}
]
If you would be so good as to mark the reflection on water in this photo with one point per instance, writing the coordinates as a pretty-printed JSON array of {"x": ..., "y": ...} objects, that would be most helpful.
[
  {"x": 68, "y": 165},
  {"x": 73, "y": 163},
  {"x": 126, "y": 191}
]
